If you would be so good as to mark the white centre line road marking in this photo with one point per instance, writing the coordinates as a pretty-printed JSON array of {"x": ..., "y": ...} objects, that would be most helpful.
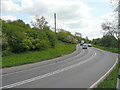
[{"x": 48, "y": 74}]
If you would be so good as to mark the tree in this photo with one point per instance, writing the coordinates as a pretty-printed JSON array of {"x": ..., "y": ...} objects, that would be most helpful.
[
  {"x": 108, "y": 41},
  {"x": 39, "y": 23},
  {"x": 112, "y": 27},
  {"x": 65, "y": 36},
  {"x": 109, "y": 28},
  {"x": 118, "y": 11},
  {"x": 87, "y": 40},
  {"x": 78, "y": 34}
]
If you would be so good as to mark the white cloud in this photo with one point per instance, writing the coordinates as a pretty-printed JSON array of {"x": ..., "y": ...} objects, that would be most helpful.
[
  {"x": 8, "y": 7},
  {"x": 12, "y": 18},
  {"x": 73, "y": 16}
]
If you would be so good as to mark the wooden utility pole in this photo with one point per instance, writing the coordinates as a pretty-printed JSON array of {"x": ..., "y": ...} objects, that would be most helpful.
[
  {"x": 118, "y": 14},
  {"x": 119, "y": 26},
  {"x": 55, "y": 30}
]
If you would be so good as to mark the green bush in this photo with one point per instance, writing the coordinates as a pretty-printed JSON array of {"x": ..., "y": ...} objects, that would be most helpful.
[
  {"x": 106, "y": 41},
  {"x": 20, "y": 37},
  {"x": 51, "y": 37},
  {"x": 6, "y": 52},
  {"x": 5, "y": 43},
  {"x": 65, "y": 36},
  {"x": 29, "y": 43},
  {"x": 43, "y": 45},
  {"x": 15, "y": 41}
]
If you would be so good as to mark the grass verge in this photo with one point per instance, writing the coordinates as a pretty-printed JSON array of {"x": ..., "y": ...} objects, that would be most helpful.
[
  {"x": 111, "y": 80},
  {"x": 37, "y": 56},
  {"x": 114, "y": 50}
]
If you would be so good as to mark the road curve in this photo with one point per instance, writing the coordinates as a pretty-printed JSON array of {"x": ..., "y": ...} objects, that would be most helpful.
[{"x": 80, "y": 71}]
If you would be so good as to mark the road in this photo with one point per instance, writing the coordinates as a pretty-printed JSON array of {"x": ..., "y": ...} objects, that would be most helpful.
[{"x": 80, "y": 71}]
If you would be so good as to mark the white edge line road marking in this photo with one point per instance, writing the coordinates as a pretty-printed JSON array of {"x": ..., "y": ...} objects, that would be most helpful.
[
  {"x": 48, "y": 74},
  {"x": 26, "y": 70},
  {"x": 102, "y": 78}
]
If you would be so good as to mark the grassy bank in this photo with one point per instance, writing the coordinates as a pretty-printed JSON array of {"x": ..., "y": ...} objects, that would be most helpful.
[
  {"x": 37, "y": 56},
  {"x": 111, "y": 80},
  {"x": 114, "y": 50}
]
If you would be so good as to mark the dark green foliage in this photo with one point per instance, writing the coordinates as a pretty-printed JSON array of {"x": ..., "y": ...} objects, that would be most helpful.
[
  {"x": 78, "y": 38},
  {"x": 96, "y": 41},
  {"x": 15, "y": 39},
  {"x": 20, "y": 37},
  {"x": 65, "y": 36},
  {"x": 110, "y": 49},
  {"x": 51, "y": 37},
  {"x": 4, "y": 42},
  {"x": 37, "y": 56},
  {"x": 106, "y": 41}
]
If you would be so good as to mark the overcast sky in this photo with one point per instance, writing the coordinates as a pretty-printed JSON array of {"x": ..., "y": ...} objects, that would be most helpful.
[{"x": 84, "y": 16}]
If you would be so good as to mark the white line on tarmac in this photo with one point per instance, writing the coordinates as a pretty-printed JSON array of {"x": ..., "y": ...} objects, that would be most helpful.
[
  {"x": 28, "y": 69},
  {"x": 48, "y": 74},
  {"x": 99, "y": 80}
]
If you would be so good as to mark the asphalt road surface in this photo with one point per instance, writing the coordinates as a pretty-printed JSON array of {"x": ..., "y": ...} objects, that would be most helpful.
[{"x": 80, "y": 71}]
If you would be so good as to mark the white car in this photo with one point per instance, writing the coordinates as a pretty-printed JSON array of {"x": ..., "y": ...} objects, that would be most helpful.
[
  {"x": 89, "y": 45},
  {"x": 84, "y": 46}
]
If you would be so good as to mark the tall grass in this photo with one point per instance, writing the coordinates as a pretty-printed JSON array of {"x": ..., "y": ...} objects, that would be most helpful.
[{"x": 37, "y": 56}]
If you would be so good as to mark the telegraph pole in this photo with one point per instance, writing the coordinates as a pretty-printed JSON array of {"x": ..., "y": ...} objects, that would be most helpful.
[
  {"x": 118, "y": 14},
  {"x": 119, "y": 25},
  {"x": 55, "y": 30}
]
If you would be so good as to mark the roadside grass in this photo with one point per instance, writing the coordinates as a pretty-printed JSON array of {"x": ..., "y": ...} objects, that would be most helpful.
[
  {"x": 37, "y": 56},
  {"x": 111, "y": 80},
  {"x": 114, "y": 50},
  {"x": 0, "y": 59}
]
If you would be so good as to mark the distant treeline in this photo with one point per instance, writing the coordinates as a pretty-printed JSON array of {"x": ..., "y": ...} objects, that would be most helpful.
[{"x": 107, "y": 41}]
